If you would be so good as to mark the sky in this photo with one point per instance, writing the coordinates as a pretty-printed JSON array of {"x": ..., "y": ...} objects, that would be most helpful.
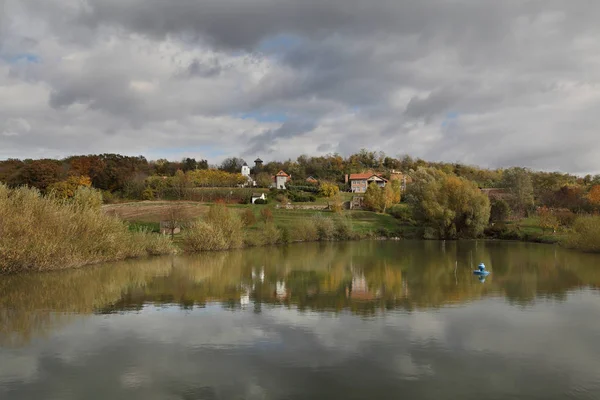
[{"x": 485, "y": 82}]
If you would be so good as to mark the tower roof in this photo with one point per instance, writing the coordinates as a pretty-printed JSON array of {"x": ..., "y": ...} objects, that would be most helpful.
[
  {"x": 244, "y": 165},
  {"x": 258, "y": 160}
]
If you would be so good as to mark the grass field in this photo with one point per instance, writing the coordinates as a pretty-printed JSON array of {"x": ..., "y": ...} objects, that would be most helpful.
[{"x": 148, "y": 214}]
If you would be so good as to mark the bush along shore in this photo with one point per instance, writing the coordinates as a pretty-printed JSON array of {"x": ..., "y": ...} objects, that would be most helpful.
[
  {"x": 44, "y": 233},
  {"x": 224, "y": 228},
  {"x": 39, "y": 233}
]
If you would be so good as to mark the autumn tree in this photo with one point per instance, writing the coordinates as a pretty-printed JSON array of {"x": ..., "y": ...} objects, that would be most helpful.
[
  {"x": 593, "y": 195},
  {"x": 40, "y": 173},
  {"x": 396, "y": 191},
  {"x": 328, "y": 190},
  {"x": 66, "y": 189},
  {"x": 374, "y": 198},
  {"x": 450, "y": 207}
]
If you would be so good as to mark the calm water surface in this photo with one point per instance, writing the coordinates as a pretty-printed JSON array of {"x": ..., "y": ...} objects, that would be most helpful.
[{"x": 364, "y": 320}]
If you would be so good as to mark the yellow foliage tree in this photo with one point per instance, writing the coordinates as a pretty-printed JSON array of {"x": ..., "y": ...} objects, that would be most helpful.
[
  {"x": 594, "y": 195},
  {"x": 547, "y": 219},
  {"x": 66, "y": 189},
  {"x": 329, "y": 189},
  {"x": 374, "y": 198}
]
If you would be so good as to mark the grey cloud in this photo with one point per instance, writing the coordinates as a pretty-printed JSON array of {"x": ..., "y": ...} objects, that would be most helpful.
[
  {"x": 324, "y": 147},
  {"x": 201, "y": 69},
  {"x": 289, "y": 129},
  {"x": 383, "y": 74}
]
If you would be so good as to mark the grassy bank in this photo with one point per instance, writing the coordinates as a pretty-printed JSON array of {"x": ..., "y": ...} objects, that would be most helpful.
[
  {"x": 41, "y": 233},
  {"x": 246, "y": 226},
  {"x": 585, "y": 235}
]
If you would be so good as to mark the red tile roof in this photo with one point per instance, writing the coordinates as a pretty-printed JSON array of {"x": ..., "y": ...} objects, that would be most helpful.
[
  {"x": 365, "y": 176},
  {"x": 281, "y": 173}
]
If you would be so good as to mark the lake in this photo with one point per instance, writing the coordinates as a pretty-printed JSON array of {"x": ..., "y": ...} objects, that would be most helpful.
[{"x": 357, "y": 320}]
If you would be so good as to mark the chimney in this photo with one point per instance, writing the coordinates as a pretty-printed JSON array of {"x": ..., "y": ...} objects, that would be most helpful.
[{"x": 346, "y": 178}]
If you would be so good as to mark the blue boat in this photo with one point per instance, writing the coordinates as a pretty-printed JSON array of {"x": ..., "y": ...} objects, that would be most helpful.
[{"x": 481, "y": 271}]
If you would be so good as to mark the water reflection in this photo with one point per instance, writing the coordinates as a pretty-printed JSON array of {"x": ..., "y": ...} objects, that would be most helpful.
[
  {"x": 349, "y": 321},
  {"x": 363, "y": 277}
]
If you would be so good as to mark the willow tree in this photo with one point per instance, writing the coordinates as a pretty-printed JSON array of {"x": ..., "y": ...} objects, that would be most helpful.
[{"x": 448, "y": 206}]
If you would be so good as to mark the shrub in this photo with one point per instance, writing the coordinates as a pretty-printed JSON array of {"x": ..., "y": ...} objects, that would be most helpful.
[
  {"x": 203, "y": 236},
  {"x": 585, "y": 235},
  {"x": 297, "y": 188},
  {"x": 266, "y": 214},
  {"x": 300, "y": 197},
  {"x": 42, "y": 233},
  {"x": 108, "y": 197},
  {"x": 384, "y": 232},
  {"x": 148, "y": 194},
  {"x": 566, "y": 218},
  {"x": 285, "y": 235},
  {"x": 401, "y": 212},
  {"x": 221, "y": 229},
  {"x": 248, "y": 217},
  {"x": 500, "y": 210},
  {"x": 281, "y": 198},
  {"x": 270, "y": 233},
  {"x": 86, "y": 197},
  {"x": 343, "y": 229},
  {"x": 305, "y": 231},
  {"x": 325, "y": 227}
]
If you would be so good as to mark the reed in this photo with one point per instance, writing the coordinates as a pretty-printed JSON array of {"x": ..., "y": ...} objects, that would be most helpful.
[{"x": 40, "y": 233}]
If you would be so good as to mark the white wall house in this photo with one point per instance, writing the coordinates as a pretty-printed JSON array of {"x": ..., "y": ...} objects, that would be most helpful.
[
  {"x": 256, "y": 196},
  {"x": 360, "y": 182},
  {"x": 280, "y": 180}
]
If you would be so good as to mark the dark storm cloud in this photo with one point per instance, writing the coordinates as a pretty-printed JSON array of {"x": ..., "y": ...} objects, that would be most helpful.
[
  {"x": 441, "y": 79},
  {"x": 289, "y": 129},
  {"x": 200, "y": 69}
]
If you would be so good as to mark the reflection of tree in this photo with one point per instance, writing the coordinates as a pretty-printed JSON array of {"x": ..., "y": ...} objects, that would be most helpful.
[
  {"x": 35, "y": 303},
  {"x": 363, "y": 277}
]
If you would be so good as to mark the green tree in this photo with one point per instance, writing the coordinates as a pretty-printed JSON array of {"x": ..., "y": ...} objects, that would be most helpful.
[
  {"x": 518, "y": 182},
  {"x": 451, "y": 207},
  {"x": 374, "y": 198},
  {"x": 500, "y": 210},
  {"x": 264, "y": 179},
  {"x": 232, "y": 165}
]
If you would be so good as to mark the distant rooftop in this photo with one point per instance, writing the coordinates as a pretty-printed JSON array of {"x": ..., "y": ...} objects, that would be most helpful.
[{"x": 258, "y": 160}]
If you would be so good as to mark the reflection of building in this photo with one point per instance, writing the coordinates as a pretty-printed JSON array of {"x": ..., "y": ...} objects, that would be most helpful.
[
  {"x": 245, "y": 297},
  {"x": 359, "y": 289},
  {"x": 281, "y": 290},
  {"x": 259, "y": 275}
]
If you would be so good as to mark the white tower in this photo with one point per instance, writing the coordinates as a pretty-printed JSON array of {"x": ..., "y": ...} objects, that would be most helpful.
[{"x": 245, "y": 170}]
